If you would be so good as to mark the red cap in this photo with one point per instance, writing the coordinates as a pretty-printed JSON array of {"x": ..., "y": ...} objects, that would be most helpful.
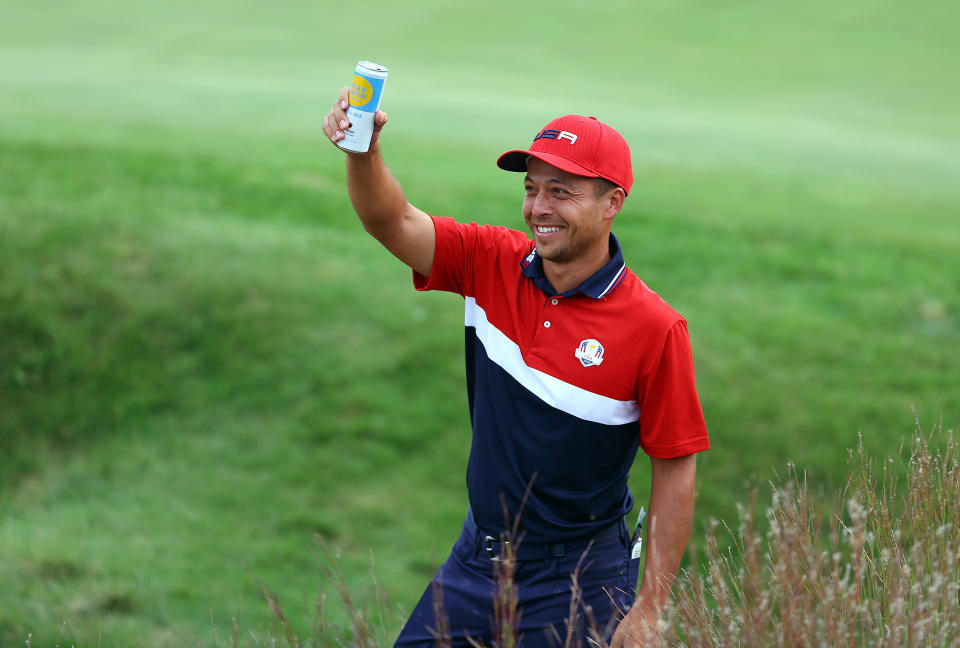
[{"x": 580, "y": 145}]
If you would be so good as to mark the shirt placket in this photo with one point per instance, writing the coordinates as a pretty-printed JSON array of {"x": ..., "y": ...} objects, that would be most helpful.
[{"x": 548, "y": 319}]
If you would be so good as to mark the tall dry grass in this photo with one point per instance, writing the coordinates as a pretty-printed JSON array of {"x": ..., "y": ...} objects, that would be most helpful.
[
  {"x": 887, "y": 572},
  {"x": 874, "y": 564}
]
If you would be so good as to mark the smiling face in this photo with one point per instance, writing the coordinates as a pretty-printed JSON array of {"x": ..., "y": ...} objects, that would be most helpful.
[{"x": 567, "y": 215}]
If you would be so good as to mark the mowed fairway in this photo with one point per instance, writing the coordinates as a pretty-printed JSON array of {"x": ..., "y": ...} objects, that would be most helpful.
[{"x": 204, "y": 361}]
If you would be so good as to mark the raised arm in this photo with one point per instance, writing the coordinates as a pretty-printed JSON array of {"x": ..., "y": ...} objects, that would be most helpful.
[
  {"x": 378, "y": 198},
  {"x": 672, "y": 484}
]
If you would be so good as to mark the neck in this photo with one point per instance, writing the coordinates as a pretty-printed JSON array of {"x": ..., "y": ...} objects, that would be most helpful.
[{"x": 564, "y": 276}]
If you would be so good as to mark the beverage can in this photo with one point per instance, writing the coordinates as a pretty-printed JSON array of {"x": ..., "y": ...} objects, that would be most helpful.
[{"x": 365, "y": 96}]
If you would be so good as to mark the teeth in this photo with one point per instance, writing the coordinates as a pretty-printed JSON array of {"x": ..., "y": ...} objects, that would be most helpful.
[{"x": 547, "y": 230}]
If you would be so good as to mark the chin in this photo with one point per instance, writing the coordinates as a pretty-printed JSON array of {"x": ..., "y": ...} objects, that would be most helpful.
[{"x": 556, "y": 256}]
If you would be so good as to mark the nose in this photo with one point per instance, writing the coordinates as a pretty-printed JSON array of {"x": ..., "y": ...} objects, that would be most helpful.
[{"x": 540, "y": 203}]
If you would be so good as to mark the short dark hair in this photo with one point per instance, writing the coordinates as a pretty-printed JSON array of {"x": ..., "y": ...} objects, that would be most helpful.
[{"x": 602, "y": 186}]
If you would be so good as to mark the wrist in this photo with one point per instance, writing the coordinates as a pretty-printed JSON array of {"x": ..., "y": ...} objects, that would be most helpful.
[
  {"x": 650, "y": 608},
  {"x": 367, "y": 156},
  {"x": 641, "y": 625}
]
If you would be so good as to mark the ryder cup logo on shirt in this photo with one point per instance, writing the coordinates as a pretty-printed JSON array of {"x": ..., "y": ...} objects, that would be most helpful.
[{"x": 589, "y": 353}]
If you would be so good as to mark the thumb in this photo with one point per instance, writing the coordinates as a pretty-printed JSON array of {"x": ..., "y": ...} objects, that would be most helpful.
[{"x": 379, "y": 121}]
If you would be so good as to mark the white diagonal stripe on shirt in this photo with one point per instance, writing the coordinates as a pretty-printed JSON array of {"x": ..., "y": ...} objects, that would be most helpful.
[{"x": 561, "y": 395}]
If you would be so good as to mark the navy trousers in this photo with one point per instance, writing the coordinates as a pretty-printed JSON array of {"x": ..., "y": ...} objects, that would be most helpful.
[{"x": 459, "y": 602}]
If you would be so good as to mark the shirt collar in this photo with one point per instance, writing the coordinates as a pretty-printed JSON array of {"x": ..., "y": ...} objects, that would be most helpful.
[{"x": 600, "y": 284}]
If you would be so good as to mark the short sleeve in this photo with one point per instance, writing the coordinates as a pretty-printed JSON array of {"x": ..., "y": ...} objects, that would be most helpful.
[
  {"x": 463, "y": 250},
  {"x": 671, "y": 419},
  {"x": 454, "y": 247}
]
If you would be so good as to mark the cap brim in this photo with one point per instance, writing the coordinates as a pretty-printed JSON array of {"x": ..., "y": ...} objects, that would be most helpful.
[{"x": 517, "y": 161}]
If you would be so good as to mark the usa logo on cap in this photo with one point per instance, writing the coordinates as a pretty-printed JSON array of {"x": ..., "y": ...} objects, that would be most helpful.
[{"x": 589, "y": 353}]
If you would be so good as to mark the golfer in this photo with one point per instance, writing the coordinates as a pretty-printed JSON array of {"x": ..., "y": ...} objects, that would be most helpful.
[{"x": 572, "y": 364}]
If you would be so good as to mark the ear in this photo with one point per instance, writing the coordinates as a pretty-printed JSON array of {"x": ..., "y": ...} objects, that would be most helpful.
[{"x": 614, "y": 202}]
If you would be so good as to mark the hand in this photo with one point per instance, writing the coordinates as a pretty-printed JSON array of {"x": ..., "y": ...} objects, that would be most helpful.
[
  {"x": 637, "y": 629},
  {"x": 336, "y": 121}
]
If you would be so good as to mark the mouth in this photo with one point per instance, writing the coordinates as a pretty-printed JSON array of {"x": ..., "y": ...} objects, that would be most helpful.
[{"x": 546, "y": 230}]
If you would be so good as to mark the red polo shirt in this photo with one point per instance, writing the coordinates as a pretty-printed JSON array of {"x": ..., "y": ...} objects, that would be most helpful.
[{"x": 562, "y": 387}]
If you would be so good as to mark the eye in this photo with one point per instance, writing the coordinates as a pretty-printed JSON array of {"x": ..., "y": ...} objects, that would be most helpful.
[{"x": 560, "y": 192}]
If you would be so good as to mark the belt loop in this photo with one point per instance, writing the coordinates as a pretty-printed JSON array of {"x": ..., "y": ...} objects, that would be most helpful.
[{"x": 488, "y": 542}]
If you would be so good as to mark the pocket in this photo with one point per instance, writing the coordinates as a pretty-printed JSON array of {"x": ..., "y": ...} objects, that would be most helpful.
[
  {"x": 604, "y": 583},
  {"x": 602, "y": 563}
]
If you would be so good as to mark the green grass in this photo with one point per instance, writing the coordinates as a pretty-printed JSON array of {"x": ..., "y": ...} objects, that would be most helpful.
[{"x": 204, "y": 360}]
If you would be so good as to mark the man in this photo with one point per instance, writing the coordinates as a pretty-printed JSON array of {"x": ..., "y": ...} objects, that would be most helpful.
[{"x": 572, "y": 363}]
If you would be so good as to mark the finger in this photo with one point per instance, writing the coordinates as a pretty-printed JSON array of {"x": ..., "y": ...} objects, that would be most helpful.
[
  {"x": 336, "y": 121},
  {"x": 379, "y": 121},
  {"x": 339, "y": 109},
  {"x": 338, "y": 117},
  {"x": 331, "y": 130}
]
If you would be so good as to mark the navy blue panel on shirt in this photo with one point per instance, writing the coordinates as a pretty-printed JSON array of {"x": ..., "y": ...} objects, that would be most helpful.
[{"x": 577, "y": 470}]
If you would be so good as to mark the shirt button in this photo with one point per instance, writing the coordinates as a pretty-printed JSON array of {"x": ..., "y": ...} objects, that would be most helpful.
[
  {"x": 546, "y": 325},
  {"x": 554, "y": 301}
]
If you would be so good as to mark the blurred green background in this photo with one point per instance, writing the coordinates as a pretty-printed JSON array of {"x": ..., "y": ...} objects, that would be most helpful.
[{"x": 204, "y": 360}]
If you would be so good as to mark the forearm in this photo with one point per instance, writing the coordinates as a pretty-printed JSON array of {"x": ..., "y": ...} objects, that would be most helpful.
[
  {"x": 672, "y": 484},
  {"x": 376, "y": 195},
  {"x": 671, "y": 517}
]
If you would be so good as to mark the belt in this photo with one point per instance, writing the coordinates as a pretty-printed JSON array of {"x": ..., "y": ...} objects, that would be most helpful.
[{"x": 537, "y": 551}]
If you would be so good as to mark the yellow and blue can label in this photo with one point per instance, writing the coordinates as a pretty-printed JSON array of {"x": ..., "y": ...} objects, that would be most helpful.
[{"x": 365, "y": 93}]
